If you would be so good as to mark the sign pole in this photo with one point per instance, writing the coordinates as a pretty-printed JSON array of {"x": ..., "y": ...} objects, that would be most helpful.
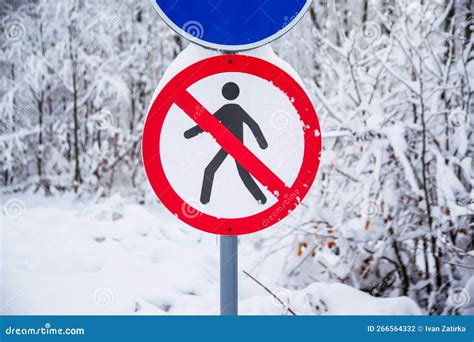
[{"x": 228, "y": 281}]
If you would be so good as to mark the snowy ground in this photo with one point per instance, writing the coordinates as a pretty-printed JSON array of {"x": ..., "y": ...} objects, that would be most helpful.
[{"x": 61, "y": 256}]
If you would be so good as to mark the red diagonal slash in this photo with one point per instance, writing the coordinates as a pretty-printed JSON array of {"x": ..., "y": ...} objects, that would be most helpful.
[{"x": 230, "y": 143}]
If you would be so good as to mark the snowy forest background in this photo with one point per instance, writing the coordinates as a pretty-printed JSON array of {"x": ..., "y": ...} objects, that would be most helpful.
[{"x": 390, "y": 213}]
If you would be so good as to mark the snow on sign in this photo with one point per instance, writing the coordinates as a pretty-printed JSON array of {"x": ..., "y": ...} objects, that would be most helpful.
[
  {"x": 231, "y": 144},
  {"x": 231, "y": 25}
]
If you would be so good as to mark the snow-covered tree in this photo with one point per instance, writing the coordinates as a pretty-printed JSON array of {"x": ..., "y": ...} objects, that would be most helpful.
[{"x": 391, "y": 212}]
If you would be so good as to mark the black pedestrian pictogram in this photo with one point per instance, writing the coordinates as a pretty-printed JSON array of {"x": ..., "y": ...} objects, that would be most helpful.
[{"x": 233, "y": 117}]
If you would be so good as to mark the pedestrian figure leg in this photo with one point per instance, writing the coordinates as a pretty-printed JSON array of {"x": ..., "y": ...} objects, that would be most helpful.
[
  {"x": 250, "y": 184},
  {"x": 209, "y": 173}
]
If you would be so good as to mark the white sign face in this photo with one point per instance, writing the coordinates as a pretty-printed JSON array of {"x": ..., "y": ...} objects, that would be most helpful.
[
  {"x": 231, "y": 143},
  {"x": 186, "y": 159}
]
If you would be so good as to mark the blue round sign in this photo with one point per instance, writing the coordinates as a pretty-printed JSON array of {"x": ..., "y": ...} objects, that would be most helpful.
[{"x": 231, "y": 25}]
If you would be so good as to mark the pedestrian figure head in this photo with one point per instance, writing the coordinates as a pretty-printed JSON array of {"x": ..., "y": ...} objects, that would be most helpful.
[{"x": 230, "y": 91}]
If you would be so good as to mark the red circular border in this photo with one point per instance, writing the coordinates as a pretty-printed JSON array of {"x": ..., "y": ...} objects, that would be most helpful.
[{"x": 154, "y": 124}]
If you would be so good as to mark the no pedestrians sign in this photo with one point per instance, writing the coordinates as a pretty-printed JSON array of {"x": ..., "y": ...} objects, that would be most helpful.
[{"x": 231, "y": 144}]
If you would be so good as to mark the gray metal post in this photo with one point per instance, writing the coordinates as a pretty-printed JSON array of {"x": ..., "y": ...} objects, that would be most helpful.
[{"x": 229, "y": 262}]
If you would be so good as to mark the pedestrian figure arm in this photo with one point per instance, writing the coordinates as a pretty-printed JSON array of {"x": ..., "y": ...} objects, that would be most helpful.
[
  {"x": 192, "y": 132},
  {"x": 257, "y": 132}
]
